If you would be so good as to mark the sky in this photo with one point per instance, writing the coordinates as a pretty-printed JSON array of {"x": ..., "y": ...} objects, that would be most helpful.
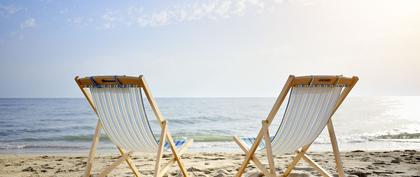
[{"x": 209, "y": 48}]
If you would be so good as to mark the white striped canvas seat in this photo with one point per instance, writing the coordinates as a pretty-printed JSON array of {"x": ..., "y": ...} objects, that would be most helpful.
[
  {"x": 123, "y": 117},
  {"x": 306, "y": 115}
]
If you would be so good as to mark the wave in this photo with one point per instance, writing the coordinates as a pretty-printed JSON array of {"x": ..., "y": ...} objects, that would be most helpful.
[
  {"x": 88, "y": 138},
  {"x": 197, "y": 138},
  {"x": 363, "y": 138},
  {"x": 209, "y": 138},
  {"x": 79, "y": 138},
  {"x": 8, "y": 146},
  {"x": 28, "y": 130},
  {"x": 325, "y": 140},
  {"x": 404, "y": 135}
]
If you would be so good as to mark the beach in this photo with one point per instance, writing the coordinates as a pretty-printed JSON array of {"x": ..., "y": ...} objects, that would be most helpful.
[{"x": 217, "y": 164}]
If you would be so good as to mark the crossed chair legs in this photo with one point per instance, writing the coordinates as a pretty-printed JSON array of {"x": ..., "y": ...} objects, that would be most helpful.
[
  {"x": 300, "y": 154},
  {"x": 166, "y": 136},
  {"x": 125, "y": 156}
]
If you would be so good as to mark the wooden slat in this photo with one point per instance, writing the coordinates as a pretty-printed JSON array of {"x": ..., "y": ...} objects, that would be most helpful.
[
  {"x": 268, "y": 148},
  {"x": 253, "y": 158},
  {"x": 322, "y": 171},
  {"x": 130, "y": 163},
  {"x": 173, "y": 160},
  {"x": 336, "y": 152},
  {"x": 111, "y": 80},
  {"x": 322, "y": 80},
  {"x": 160, "y": 150},
  {"x": 92, "y": 151},
  {"x": 296, "y": 160},
  {"x": 176, "y": 154},
  {"x": 107, "y": 170},
  {"x": 250, "y": 154}
]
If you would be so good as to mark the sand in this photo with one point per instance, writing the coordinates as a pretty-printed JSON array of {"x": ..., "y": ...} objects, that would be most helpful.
[{"x": 356, "y": 163}]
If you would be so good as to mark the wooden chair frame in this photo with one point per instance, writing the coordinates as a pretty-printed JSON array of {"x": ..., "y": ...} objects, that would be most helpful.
[
  {"x": 86, "y": 82},
  {"x": 300, "y": 154}
]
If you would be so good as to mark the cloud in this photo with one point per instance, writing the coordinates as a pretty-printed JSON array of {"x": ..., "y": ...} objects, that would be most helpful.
[
  {"x": 64, "y": 11},
  {"x": 28, "y": 23},
  {"x": 186, "y": 12},
  {"x": 80, "y": 21},
  {"x": 17, "y": 34},
  {"x": 211, "y": 10},
  {"x": 20, "y": 33},
  {"x": 8, "y": 10},
  {"x": 109, "y": 19}
]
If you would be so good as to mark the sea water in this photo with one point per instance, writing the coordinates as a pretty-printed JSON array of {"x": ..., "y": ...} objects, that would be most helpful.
[{"x": 67, "y": 124}]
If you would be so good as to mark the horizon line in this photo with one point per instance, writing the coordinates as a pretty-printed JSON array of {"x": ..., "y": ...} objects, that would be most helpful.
[{"x": 206, "y": 97}]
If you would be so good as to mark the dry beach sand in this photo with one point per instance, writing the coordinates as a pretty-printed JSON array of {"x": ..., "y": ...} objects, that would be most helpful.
[{"x": 356, "y": 163}]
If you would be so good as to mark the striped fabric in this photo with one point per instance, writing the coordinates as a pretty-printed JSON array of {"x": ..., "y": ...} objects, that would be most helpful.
[
  {"x": 121, "y": 112},
  {"x": 305, "y": 117}
]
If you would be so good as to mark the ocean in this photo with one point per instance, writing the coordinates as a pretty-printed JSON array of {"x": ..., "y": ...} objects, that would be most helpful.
[{"x": 67, "y": 124}]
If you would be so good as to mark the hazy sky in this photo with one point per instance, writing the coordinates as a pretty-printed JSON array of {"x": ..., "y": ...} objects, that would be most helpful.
[{"x": 203, "y": 48}]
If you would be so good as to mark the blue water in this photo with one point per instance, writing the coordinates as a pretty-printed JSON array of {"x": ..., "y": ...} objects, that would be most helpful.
[{"x": 370, "y": 123}]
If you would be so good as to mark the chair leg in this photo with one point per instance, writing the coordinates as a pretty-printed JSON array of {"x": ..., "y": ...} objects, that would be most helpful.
[
  {"x": 160, "y": 150},
  {"x": 268, "y": 148},
  {"x": 92, "y": 151},
  {"x": 297, "y": 158},
  {"x": 253, "y": 158},
  {"x": 250, "y": 154},
  {"x": 176, "y": 155},
  {"x": 336, "y": 152},
  {"x": 115, "y": 164},
  {"x": 322, "y": 171},
  {"x": 130, "y": 163},
  {"x": 173, "y": 160}
]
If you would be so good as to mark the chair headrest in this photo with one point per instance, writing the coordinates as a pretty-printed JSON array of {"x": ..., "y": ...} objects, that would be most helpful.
[{"x": 104, "y": 81}]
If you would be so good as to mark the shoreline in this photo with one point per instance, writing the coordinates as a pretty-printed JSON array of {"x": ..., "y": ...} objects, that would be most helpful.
[
  {"x": 227, "y": 147},
  {"x": 356, "y": 163}
]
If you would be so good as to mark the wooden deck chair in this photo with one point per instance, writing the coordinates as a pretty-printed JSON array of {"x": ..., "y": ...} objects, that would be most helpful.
[
  {"x": 312, "y": 102},
  {"x": 118, "y": 103}
]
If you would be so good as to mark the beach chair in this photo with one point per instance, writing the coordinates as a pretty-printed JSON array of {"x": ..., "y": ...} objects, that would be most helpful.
[
  {"x": 312, "y": 102},
  {"x": 118, "y": 103}
]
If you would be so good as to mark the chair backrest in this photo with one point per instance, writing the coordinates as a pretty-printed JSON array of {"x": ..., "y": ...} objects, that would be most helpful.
[
  {"x": 308, "y": 110},
  {"x": 118, "y": 102}
]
